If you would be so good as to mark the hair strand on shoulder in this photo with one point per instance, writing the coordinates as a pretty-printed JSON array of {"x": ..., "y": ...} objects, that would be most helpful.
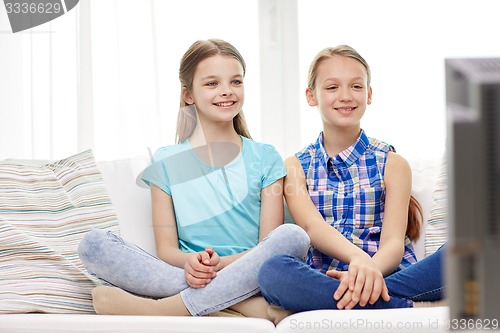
[{"x": 415, "y": 219}]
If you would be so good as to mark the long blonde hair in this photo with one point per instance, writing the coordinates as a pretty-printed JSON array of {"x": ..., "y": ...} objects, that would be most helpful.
[
  {"x": 415, "y": 215},
  {"x": 198, "y": 51}
]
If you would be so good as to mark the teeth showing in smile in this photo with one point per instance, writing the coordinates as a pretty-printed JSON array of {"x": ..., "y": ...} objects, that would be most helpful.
[
  {"x": 224, "y": 104},
  {"x": 345, "y": 109}
]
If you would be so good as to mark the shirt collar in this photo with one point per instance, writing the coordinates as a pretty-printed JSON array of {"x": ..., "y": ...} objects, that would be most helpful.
[{"x": 347, "y": 157}]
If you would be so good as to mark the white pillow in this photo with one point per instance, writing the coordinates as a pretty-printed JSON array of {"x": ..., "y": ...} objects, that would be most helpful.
[{"x": 436, "y": 231}]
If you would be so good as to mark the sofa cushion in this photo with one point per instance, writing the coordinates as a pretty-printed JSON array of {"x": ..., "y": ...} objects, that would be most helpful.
[
  {"x": 42, "y": 323},
  {"x": 426, "y": 319},
  {"x": 44, "y": 212}
]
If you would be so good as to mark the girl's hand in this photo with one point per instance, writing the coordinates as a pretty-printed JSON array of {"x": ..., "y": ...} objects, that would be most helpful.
[
  {"x": 363, "y": 284},
  {"x": 215, "y": 261},
  {"x": 198, "y": 271},
  {"x": 342, "y": 295}
]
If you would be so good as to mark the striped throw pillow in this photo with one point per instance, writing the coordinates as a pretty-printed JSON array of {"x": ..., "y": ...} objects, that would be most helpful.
[
  {"x": 436, "y": 230},
  {"x": 44, "y": 212}
]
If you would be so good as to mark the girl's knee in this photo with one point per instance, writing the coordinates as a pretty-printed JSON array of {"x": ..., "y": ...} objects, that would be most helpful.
[
  {"x": 272, "y": 269},
  {"x": 90, "y": 244},
  {"x": 276, "y": 277},
  {"x": 294, "y": 236}
]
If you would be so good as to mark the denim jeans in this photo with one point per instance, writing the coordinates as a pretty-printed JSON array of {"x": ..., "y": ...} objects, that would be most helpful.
[
  {"x": 313, "y": 290},
  {"x": 127, "y": 266}
]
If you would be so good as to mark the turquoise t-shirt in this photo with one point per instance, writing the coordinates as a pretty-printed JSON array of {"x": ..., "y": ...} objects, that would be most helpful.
[{"x": 216, "y": 206}]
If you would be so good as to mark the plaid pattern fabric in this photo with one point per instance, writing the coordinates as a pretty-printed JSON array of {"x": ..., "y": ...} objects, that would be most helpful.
[{"x": 349, "y": 192}]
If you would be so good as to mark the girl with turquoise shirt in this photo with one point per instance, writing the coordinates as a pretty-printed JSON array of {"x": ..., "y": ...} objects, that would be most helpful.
[{"x": 217, "y": 205}]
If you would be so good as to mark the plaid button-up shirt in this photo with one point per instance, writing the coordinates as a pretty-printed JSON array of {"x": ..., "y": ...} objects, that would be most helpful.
[{"x": 349, "y": 192}]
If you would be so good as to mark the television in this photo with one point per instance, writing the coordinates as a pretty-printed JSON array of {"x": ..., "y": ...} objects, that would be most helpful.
[{"x": 473, "y": 154}]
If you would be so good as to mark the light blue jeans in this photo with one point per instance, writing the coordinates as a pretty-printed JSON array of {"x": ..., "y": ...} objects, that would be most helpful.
[{"x": 128, "y": 267}]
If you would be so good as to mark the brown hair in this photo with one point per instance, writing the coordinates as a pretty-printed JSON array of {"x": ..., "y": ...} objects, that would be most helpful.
[
  {"x": 415, "y": 219},
  {"x": 198, "y": 51},
  {"x": 415, "y": 215}
]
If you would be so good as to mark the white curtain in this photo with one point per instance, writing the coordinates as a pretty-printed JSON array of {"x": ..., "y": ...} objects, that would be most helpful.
[
  {"x": 105, "y": 75},
  {"x": 38, "y": 86}
]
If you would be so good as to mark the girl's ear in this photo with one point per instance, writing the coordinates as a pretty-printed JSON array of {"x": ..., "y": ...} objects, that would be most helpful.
[
  {"x": 186, "y": 96},
  {"x": 310, "y": 97},
  {"x": 370, "y": 96}
]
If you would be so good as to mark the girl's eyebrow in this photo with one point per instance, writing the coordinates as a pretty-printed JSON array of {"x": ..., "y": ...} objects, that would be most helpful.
[
  {"x": 211, "y": 77},
  {"x": 358, "y": 78}
]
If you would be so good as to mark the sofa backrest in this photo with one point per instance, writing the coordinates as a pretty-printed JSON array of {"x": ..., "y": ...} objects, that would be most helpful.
[{"x": 131, "y": 198}]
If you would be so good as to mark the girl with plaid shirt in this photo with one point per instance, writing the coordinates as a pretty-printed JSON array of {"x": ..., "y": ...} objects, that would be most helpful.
[{"x": 363, "y": 255}]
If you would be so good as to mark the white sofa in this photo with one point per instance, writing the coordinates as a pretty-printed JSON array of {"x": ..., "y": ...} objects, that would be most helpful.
[{"x": 132, "y": 204}]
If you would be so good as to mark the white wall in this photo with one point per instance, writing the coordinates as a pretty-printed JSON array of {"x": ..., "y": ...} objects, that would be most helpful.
[{"x": 279, "y": 72}]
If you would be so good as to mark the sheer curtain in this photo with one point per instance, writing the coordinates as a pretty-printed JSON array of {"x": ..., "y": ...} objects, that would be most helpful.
[
  {"x": 105, "y": 75},
  {"x": 38, "y": 89}
]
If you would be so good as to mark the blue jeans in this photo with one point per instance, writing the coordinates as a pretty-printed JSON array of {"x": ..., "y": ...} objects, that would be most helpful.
[
  {"x": 313, "y": 290},
  {"x": 127, "y": 266}
]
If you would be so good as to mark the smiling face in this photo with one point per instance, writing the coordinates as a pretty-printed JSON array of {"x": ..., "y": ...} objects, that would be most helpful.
[
  {"x": 341, "y": 92},
  {"x": 217, "y": 89}
]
